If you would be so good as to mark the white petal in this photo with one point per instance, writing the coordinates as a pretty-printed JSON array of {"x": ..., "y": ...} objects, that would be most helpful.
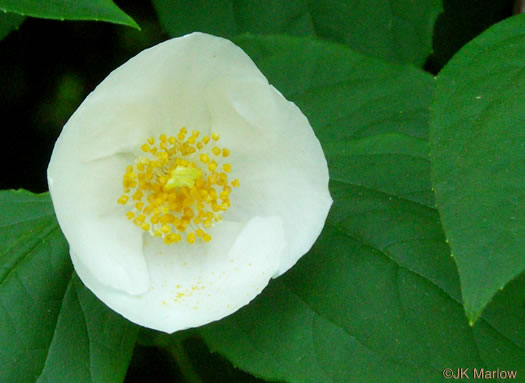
[
  {"x": 84, "y": 197},
  {"x": 158, "y": 91},
  {"x": 277, "y": 158},
  {"x": 195, "y": 285}
]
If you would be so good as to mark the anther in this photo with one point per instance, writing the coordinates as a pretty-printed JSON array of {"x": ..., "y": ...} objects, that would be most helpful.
[{"x": 176, "y": 188}]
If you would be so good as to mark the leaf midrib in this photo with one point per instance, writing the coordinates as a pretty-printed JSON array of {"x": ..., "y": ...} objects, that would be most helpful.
[
  {"x": 388, "y": 194},
  {"x": 370, "y": 246},
  {"x": 361, "y": 342},
  {"x": 27, "y": 255},
  {"x": 48, "y": 348}
]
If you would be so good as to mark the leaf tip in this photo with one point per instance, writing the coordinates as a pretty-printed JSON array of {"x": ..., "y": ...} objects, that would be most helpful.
[{"x": 473, "y": 314}]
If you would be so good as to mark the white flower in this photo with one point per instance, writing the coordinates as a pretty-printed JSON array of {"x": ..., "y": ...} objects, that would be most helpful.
[{"x": 185, "y": 182}]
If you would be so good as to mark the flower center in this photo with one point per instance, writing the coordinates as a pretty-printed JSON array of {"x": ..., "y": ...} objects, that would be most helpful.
[{"x": 179, "y": 187}]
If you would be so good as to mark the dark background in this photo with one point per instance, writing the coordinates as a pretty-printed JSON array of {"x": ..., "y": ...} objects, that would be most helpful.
[{"x": 48, "y": 67}]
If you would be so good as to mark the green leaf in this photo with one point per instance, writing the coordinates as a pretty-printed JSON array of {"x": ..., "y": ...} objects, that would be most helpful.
[
  {"x": 53, "y": 329},
  {"x": 377, "y": 299},
  {"x": 98, "y": 10},
  {"x": 228, "y": 18},
  {"x": 397, "y": 30},
  {"x": 478, "y": 160},
  {"x": 9, "y": 22},
  {"x": 346, "y": 95},
  {"x": 505, "y": 314},
  {"x": 96, "y": 343}
]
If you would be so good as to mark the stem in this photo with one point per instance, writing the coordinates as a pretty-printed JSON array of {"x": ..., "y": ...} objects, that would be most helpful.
[{"x": 176, "y": 350}]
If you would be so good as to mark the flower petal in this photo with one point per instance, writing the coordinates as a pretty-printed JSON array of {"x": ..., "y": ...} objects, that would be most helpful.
[
  {"x": 158, "y": 91},
  {"x": 281, "y": 165},
  {"x": 190, "y": 288},
  {"x": 84, "y": 198}
]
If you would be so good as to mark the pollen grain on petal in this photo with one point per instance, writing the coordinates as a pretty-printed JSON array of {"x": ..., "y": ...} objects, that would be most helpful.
[{"x": 175, "y": 191}]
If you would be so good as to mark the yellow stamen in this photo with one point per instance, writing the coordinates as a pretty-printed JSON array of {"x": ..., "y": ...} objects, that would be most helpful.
[
  {"x": 123, "y": 199},
  {"x": 178, "y": 192}
]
